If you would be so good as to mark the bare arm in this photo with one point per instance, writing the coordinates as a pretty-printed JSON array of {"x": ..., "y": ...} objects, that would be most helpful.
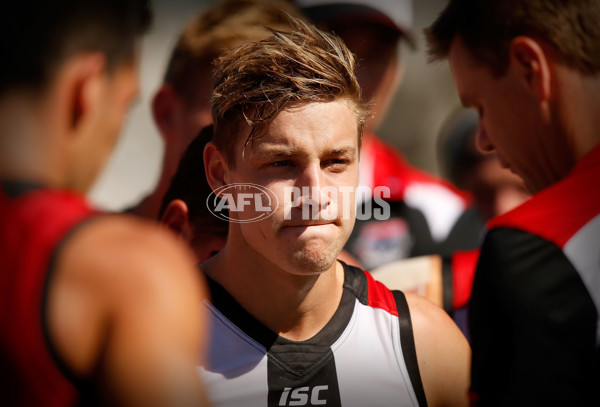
[
  {"x": 443, "y": 354},
  {"x": 124, "y": 307}
]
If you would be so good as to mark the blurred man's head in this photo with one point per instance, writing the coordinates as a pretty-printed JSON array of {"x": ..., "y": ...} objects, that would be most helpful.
[
  {"x": 524, "y": 66},
  {"x": 288, "y": 114},
  {"x": 184, "y": 208},
  {"x": 62, "y": 29},
  {"x": 72, "y": 68},
  {"x": 495, "y": 189},
  {"x": 373, "y": 31},
  {"x": 181, "y": 107}
]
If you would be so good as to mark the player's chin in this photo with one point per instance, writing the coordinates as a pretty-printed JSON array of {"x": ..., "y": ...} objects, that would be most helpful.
[{"x": 315, "y": 257}]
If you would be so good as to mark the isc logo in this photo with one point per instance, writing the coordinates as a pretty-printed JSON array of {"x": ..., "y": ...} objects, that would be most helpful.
[{"x": 300, "y": 396}]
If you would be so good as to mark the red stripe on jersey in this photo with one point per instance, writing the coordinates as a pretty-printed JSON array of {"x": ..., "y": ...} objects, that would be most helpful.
[
  {"x": 463, "y": 272},
  {"x": 559, "y": 211},
  {"x": 379, "y": 296}
]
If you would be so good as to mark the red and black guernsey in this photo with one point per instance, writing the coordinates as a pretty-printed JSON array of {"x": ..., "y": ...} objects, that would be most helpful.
[
  {"x": 33, "y": 224},
  {"x": 535, "y": 306},
  {"x": 364, "y": 356}
]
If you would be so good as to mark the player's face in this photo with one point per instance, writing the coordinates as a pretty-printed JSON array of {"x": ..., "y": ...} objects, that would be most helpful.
[
  {"x": 314, "y": 146},
  {"x": 510, "y": 121}
]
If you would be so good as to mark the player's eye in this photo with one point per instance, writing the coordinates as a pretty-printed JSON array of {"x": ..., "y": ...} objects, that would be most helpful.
[
  {"x": 335, "y": 163},
  {"x": 281, "y": 163}
]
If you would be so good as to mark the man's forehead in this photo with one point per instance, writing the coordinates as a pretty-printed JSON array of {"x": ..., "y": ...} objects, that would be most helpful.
[
  {"x": 289, "y": 144},
  {"x": 314, "y": 116}
]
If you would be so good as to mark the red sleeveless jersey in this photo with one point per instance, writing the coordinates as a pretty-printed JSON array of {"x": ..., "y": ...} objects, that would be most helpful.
[{"x": 32, "y": 226}]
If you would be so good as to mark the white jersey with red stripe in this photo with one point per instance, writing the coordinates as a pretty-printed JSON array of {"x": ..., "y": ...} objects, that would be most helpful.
[{"x": 364, "y": 356}]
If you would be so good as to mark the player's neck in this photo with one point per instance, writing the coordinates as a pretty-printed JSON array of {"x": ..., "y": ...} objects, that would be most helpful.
[
  {"x": 590, "y": 134},
  {"x": 581, "y": 112},
  {"x": 28, "y": 151},
  {"x": 295, "y": 306}
]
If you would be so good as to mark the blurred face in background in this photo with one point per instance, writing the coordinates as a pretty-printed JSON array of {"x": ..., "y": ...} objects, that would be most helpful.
[
  {"x": 495, "y": 189},
  {"x": 378, "y": 71}
]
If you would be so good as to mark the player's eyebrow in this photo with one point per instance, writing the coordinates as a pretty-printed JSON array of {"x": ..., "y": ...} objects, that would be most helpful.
[
  {"x": 275, "y": 152},
  {"x": 340, "y": 151},
  {"x": 278, "y": 152}
]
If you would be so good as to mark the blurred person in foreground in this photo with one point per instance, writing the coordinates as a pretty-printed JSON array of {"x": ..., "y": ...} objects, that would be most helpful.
[
  {"x": 96, "y": 309},
  {"x": 291, "y": 323},
  {"x": 531, "y": 69},
  {"x": 424, "y": 209},
  {"x": 181, "y": 106},
  {"x": 184, "y": 208}
]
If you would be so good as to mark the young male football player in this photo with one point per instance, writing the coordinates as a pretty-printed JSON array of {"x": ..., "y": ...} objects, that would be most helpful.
[{"x": 290, "y": 324}]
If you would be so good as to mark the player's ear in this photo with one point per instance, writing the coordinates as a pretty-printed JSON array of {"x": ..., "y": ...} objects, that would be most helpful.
[
  {"x": 82, "y": 82},
  {"x": 215, "y": 167},
  {"x": 177, "y": 218},
  {"x": 165, "y": 106},
  {"x": 531, "y": 64}
]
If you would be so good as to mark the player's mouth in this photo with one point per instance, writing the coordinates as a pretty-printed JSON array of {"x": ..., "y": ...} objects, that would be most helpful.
[{"x": 307, "y": 224}]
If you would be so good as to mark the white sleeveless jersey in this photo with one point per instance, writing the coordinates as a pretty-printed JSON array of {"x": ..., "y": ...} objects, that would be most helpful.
[{"x": 364, "y": 356}]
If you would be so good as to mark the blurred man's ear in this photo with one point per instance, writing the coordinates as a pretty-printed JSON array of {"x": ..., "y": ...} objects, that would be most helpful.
[
  {"x": 532, "y": 66},
  {"x": 176, "y": 218},
  {"x": 215, "y": 167},
  {"x": 165, "y": 107},
  {"x": 83, "y": 82}
]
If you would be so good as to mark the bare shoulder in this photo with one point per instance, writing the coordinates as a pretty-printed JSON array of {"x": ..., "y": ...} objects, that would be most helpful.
[
  {"x": 118, "y": 270},
  {"x": 117, "y": 265},
  {"x": 443, "y": 353},
  {"x": 139, "y": 280},
  {"x": 428, "y": 317},
  {"x": 123, "y": 249}
]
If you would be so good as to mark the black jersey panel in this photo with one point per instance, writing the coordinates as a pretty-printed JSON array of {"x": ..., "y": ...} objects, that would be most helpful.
[
  {"x": 317, "y": 387},
  {"x": 356, "y": 282},
  {"x": 407, "y": 340},
  {"x": 466, "y": 234},
  {"x": 533, "y": 325}
]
